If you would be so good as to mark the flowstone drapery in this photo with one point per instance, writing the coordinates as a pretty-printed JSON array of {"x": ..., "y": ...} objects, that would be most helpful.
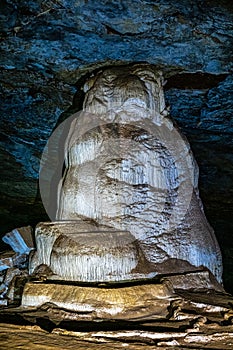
[
  {"x": 127, "y": 203},
  {"x": 128, "y": 245}
]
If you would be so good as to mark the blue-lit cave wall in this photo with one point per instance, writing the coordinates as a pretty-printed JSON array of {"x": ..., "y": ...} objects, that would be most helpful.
[{"x": 49, "y": 47}]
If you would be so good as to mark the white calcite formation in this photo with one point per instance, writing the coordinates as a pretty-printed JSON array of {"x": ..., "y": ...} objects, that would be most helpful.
[
  {"x": 78, "y": 251},
  {"x": 128, "y": 170}
]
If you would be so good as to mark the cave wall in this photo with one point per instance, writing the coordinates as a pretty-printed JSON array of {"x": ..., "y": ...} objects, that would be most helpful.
[{"x": 49, "y": 47}]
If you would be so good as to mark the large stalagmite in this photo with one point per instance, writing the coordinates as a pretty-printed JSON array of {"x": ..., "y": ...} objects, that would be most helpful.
[{"x": 127, "y": 204}]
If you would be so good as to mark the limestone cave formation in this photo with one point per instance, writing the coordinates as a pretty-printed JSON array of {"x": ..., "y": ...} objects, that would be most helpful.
[{"x": 49, "y": 50}]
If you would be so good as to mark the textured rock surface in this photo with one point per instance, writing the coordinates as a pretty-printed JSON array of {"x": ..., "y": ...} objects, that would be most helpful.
[
  {"x": 79, "y": 251},
  {"x": 183, "y": 320},
  {"x": 127, "y": 167},
  {"x": 90, "y": 304},
  {"x": 47, "y": 46},
  {"x": 29, "y": 337},
  {"x": 20, "y": 240}
]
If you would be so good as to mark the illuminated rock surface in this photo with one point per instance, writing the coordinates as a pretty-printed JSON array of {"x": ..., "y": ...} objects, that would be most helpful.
[
  {"x": 129, "y": 169},
  {"x": 92, "y": 303},
  {"x": 46, "y": 47},
  {"x": 34, "y": 338},
  {"x": 79, "y": 251},
  {"x": 136, "y": 248},
  {"x": 20, "y": 240},
  {"x": 170, "y": 320}
]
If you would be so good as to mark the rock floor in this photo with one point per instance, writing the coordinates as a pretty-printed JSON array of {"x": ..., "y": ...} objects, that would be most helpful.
[
  {"x": 33, "y": 337},
  {"x": 197, "y": 321}
]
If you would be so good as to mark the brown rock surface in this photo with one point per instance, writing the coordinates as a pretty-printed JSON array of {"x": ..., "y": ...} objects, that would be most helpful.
[{"x": 196, "y": 320}]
